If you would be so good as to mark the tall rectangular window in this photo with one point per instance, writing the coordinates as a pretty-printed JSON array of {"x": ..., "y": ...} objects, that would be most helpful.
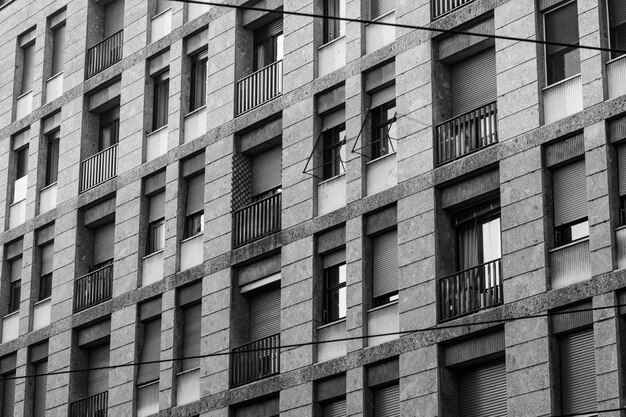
[
  {"x": 192, "y": 318},
  {"x": 109, "y": 128},
  {"x": 160, "y": 101},
  {"x": 21, "y": 162},
  {"x": 385, "y": 268},
  {"x": 39, "y": 366},
  {"x": 383, "y": 119},
  {"x": 268, "y": 44},
  {"x": 333, "y": 151},
  {"x": 561, "y": 26},
  {"x": 45, "y": 274},
  {"x": 334, "y": 28},
  {"x": 7, "y": 385},
  {"x": 155, "y": 241},
  {"x": 58, "y": 49},
  {"x": 28, "y": 63},
  {"x": 52, "y": 158},
  {"x": 570, "y": 203},
  {"x": 334, "y": 287},
  {"x": 617, "y": 26},
  {"x": 194, "y": 210},
  {"x": 198, "y": 80},
  {"x": 149, "y": 351},
  {"x": 330, "y": 396},
  {"x": 15, "y": 266}
]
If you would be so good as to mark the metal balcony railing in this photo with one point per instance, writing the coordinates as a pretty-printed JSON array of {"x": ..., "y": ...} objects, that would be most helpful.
[
  {"x": 98, "y": 168},
  {"x": 257, "y": 360},
  {"x": 260, "y": 87},
  {"x": 94, "y": 406},
  {"x": 442, "y": 7},
  {"x": 104, "y": 54},
  {"x": 93, "y": 288},
  {"x": 471, "y": 290},
  {"x": 467, "y": 133},
  {"x": 257, "y": 220}
]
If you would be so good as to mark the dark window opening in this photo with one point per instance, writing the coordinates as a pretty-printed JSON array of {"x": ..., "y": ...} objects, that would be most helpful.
[
  {"x": 572, "y": 232},
  {"x": 198, "y": 82},
  {"x": 160, "y": 101},
  {"x": 52, "y": 159},
  {"x": 561, "y": 26},
  {"x": 383, "y": 129},
  {"x": 333, "y": 152},
  {"x": 194, "y": 224},
  {"x": 21, "y": 159},
  {"x": 156, "y": 236},
  {"x": 334, "y": 294}
]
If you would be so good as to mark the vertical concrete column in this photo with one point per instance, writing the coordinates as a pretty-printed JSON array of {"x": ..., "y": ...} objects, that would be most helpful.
[
  {"x": 606, "y": 335},
  {"x": 522, "y": 226},
  {"x": 166, "y": 375},
  {"x": 123, "y": 348},
  {"x": 172, "y": 192},
  {"x": 355, "y": 116},
  {"x": 75, "y": 41},
  {"x": 414, "y": 107},
  {"x": 298, "y": 204},
  {"x": 26, "y": 281},
  {"x": 417, "y": 282},
  {"x": 527, "y": 345},
  {"x": 64, "y": 267},
  {"x": 297, "y": 401},
  {"x": 419, "y": 382},
  {"x": 592, "y": 66},
  {"x": 175, "y": 117},
  {"x": 601, "y": 235},
  {"x": 356, "y": 315},
  {"x": 517, "y": 67},
  {"x": 216, "y": 296},
  {"x": 68, "y": 182},
  {"x": 135, "y": 26},
  {"x": 355, "y": 33},
  {"x": 298, "y": 66},
  {"x": 59, "y": 359},
  {"x": 133, "y": 109},
  {"x": 218, "y": 219},
  {"x": 355, "y": 383},
  {"x": 221, "y": 69},
  {"x": 127, "y": 238}
]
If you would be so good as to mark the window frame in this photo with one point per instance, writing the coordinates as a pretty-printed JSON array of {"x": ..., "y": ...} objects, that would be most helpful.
[
  {"x": 619, "y": 42},
  {"x": 160, "y": 100},
  {"x": 198, "y": 71},
  {"x": 332, "y": 147},
  {"x": 155, "y": 237},
  {"x": 109, "y": 122},
  {"x": 53, "y": 141},
  {"x": 551, "y": 78},
  {"x": 381, "y": 125},
  {"x": 476, "y": 218},
  {"x": 332, "y": 293},
  {"x": 333, "y": 29}
]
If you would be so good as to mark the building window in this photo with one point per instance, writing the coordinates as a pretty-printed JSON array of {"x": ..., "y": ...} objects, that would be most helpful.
[
  {"x": 570, "y": 203},
  {"x": 149, "y": 353},
  {"x": 384, "y": 388},
  {"x": 478, "y": 237},
  {"x": 380, "y": 8},
  {"x": 267, "y": 173},
  {"x": 21, "y": 162},
  {"x": 39, "y": 366},
  {"x": 383, "y": 129},
  {"x": 330, "y": 396},
  {"x": 334, "y": 287},
  {"x": 197, "y": 96},
  {"x": 52, "y": 158},
  {"x": 334, "y": 28},
  {"x": 28, "y": 59},
  {"x": 45, "y": 274},
  {"x": 58, "y": 49},
  {"x": 194, "y": 210},
  {"x": 192, "y": 318},
  {"x": 333, "y": 151},
  {"x": 155, "y": 241},
  {"x": 385, "y": 268},
  {"x": 617, "y": 26},
  {"x": 268, "y": 44},
  {"x": 109, "y": 128},
  {"x": 561, "y": 26},
  {"x": 15, "y": 266},
  {"x": 7, "y": 385},
  {"x": 160, "y": 101}
]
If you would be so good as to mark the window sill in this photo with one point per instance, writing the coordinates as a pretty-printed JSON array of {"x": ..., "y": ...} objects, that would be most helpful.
[
  {"x": 331, "y": 324},
  {"x": 187, "y": 239},
  {"x": 330, "y": 179},
  {"x": 567, "y": 245},
  {"x": 45, "y": 300},
  {"x": 147, "y": 384},
  {"x": 381, "y": 17},
  {"x": 198, "y": 110},
  {"x": 154, "y": 132},
  {"x": 156, "y": 16},
  {"x": 618, "y": 228},
  {"x": 380, "y": 158},
  {"x": 52, "y": 77},
  {"x": 188, "y": 371},
  {"x": 10, "y": 315},
  {"x": 610, "y": 61},
  {"x": 337, "y": 39},
  {"x": 371, "y": 310},
  {"x": 563, "y": 81},
  {"x": 2, "y": 6},
  {"x": 45, "y": 187},
  {"x": 153, "y": 254},
  {"x": 24, "y": 94}
]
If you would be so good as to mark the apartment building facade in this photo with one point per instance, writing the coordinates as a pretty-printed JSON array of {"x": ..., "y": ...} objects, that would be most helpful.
[{"x": 231, "y": 211}]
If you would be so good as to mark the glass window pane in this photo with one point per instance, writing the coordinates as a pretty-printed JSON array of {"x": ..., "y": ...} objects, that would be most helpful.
[{"x": 491, "y": 240}]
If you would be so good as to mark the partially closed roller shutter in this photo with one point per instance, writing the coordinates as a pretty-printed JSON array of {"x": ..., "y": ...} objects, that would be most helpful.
[
  {"x": 578, "y": 373},
  {"x": 385, "y": 263},
  {"x": 41, "y": 386},
  {"x": 157, "y": 207},
  {"x": 336, "y": 408},
  {"x": 264, "y": 310},
  {"x": 381, "y": 7},
  {"x": 98, "y": 379},
  {"x": 621, "y": 162},
  {"x": 570, "y": 193},
  {"x": 151, "y": 351},
  {"x": 473, "y": 82},
  {"x": 195, "y": 194},
  {"x": 266, "y": 170},
  {"x": 387, "y": 401},
  {"x": 103, "y": 243},
  {"x": 482, "y": 391},
  {"x": 334, "y": 119},
  {"x": 383, "y": 96},
  {"x": 192, "y": 316},
  {"x": 8, "y": 395}
]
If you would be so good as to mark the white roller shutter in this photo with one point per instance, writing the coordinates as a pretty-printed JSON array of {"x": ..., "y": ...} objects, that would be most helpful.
[
  {"x": 151, "y": 351},
  {"x": 336, "y": 408},
  {"x": 473, "y": 82},
  {"x": 621, "y": 168},
  {"x": 195, "y": 194},
  {"x": 98, "y": 379},
  {"x": 383, "y": 96},
  {"x": 578, "y": 373},
  {"x": 482, "y": 391},
  {"x": 385, "y": 263},
  {"x": 387, "y": 401},
  {"x": 266, "y": 170},
  {"x": 264, "y": 314},
  {"x": 104, "y": 238},
  {"x": 192, "y": 316},
  {"x": 41, "y": 387},
  {"x": 8, "y": 395},
  {"x": 570, "y": 193}
]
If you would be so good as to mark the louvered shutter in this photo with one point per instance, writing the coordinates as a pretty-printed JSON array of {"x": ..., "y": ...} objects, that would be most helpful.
[
  {"x": 334, "y": 258},
  {"x": 113, "y": 18},
  {"x": 272, "y": 29},
  {"x": 163, "y": 5},
  {"x": 617, "y": 12},
  {"x": 103, "y": 243},
  {"x": 578, "y": 373},
  {"x": 264, "y": 314},
  {"x": 195, "y": 194},
  {"x": 570, "y": 193},
  {"x": 27, "y": 70},
  {"x": 41, "y": 387},
  {"x": 8, "y": 395},
  {"x": 385, "y": 263},
  {"x": 336, "y": 408},
  {"x": 383, "y": 96},
  {"x": 334, "y": 119},
  {"x": 482, "y": 391},
  {"x": 381, "y": 7},
  {"x": 266, "y": 170},
  {"x": 98, "y": 379},
  {"x": 387, "y": 401},
  {"x": 621, "y": 167},
  {"x": 561, "y": 26},
  {"x": 151, "y": 351},
  {"x": 58, "y": 49},
  {"x": 192, "y": 316},
  {"x": 473, "y": 82},
  {"x": 157, "y": 207}
]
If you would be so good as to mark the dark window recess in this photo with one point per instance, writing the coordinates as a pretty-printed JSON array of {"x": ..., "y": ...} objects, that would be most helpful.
[
  {"x": 45, "y": 286},
  {"x": 8, "y": 394},
  {"x": 268, "y": 44},
  {"x": 571, "y": 232},
  {"x": 570, "y": 203},
  {"x": 198, "y": 81},
  {"x": 334, "y": 28},
  {"x": 58, "y": 49},
  {"x": 52, "y": 158},
  {"x": 160, "y": 100},
  {"x": 387, "y": 400},
  {"x": 617, "y": 26},
  {"x": 156, "y": 236},
  {"x": 109, "y": 128},
  {"x": 622, "y": 210},
  {"x": 21, "y": 162},
  {"x": 383, "y": 129},
  {"x": 194, "y": 224},
  {"x": 385, "y": 268},
  {"x": 333, "y": 152},
  {"x": 478, "y": 240},
  {"x": 14, "y": 296},
  {"x": 334, "y": 297},
  {"x": 194, "y": 210},
  {"x": 28, "y": 59},
  {"x": 561, "y": 26}
]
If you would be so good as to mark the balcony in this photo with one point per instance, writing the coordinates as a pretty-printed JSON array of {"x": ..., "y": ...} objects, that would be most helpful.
[
  {"x": 104, "y": 54},
  {"x": 94, "y": 406},
  {"x": 616, "y": 75},
  {"x": 443, "y": 7},
  {"x": 98, "y": 168},
  {"x": 257, "y": 360},
  {"x": 467, "y": 133},
  {"x": 471, "y": 290},
  {"x": 93, "y": 288},
  {"x": 569, "y": 264},
  {"x": 259, "y": 87},
  {"x": 257, "y": 220},
  {"x": 562, "y": 99}
]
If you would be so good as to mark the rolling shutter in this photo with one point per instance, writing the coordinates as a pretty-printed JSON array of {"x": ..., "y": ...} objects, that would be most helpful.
[
  {"x": 8, "y": 395},
  {"x": 266, "y": 170},
  {"x": 163, "y": 5},
  {"x": 98, "y": 379},
  {"x": 617, "y": 12},
  {"x": 336, "y": 408},
  {"x": 482, "y": 391},
  {"x": 157, "y": 207},
  {"x": 58, "y": 49},
  {"x": 192, "y": 318},
  {"x": 334, "y": 258},
  {"x": 570, "y": 193},
  {"x": 387, "y": 401},
  {"x": 334, "y": 119},
  {"x": 381, "y": 7},
  {"x": 385, "y": 263},
  {"x": 41, "y": 386},
  {"x": 195, "y": 194},
  {"x": 473, "y": 82},
  {"x": 113, "y": 18},
  {"x": 103, "y": 243},
  {"x": 578, "y": 373},
  {"x": 383, "y": 96},
  {"x": 621, "y": 168},
  {"x": 150, "y": 351},
  {"x": 264, "y": 314},
  {"x": 27, "y": 71},
  {"x": 561, "y": 26},
  {"x": 16, "y": 269},
  {"x": 272, "y": 29}
]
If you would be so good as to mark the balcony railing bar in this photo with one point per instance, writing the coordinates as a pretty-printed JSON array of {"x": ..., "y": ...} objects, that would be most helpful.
[
  {"x": 260, "y": 87},
  {"x": 256, "y": 360},
  {"x": 104, "y": 54},
  {"x": 257, "y": 220},
  {"x": 94, "y": 406},
  {"x": 93, "y": 288},
  {"x": 442, "y": 7},
  {"x": 98, "y": 168}
]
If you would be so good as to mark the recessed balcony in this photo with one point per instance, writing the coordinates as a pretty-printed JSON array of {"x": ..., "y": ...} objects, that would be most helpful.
[
  {"x": 98, "y": 168},
  {"x": 257, "y": 220},
  {"x": 259, "y": 87},
  {"x": 93, "y": 288},
  {"x": 256, "y": 360},
  {"x": 104, "y": 54}
]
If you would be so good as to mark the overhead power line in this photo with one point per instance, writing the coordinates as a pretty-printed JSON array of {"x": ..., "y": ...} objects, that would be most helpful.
[{"x": 402, "y": 25}]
